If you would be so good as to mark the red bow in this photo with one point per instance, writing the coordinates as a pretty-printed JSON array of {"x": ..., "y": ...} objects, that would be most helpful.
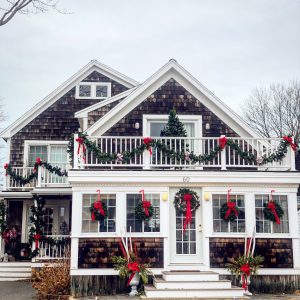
[
  {"x": 147, "y": 141},
  {"x": 272, "y": 207},
  {"x": 230, "y": 206},
  {"x": 38, "y": 160},
  {"x": 80, "y": 142},
  {"x": 289, "y": 140},
  {"x": 6, "y": 165},
  {"x": 222, "y": 142},
  {"x": 98, "y": 206},
  {"x": 188, "y": 213},
  {"x": 146, "y": 204},
  {"x": 132, "y": 267},
  {"x": 37, "y": 237}
]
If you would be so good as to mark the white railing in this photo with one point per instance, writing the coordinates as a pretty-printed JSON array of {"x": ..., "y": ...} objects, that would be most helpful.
[
  {"x": 20, "y": 171},
  {"x": 226, "y": 159},
  {"x": 59, "y": 251},
  {"x": 47, "y": 179}
]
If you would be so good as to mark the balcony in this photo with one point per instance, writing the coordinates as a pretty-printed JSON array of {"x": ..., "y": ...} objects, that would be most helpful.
[
  {"x": 228, "y": 159},
  {"x": 44, "y": 178}
]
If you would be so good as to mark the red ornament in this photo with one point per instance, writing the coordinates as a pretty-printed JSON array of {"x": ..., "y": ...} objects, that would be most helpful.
[
  {"x": 188, "y": 213},
  {"x": 222, "y": 142},
  {"x": 37, "y": 237},
  {"x": 147, "y": 141},
  {"x": 290, "y": 141}
]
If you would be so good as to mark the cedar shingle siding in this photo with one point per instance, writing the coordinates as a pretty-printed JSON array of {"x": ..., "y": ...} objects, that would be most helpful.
[
  {"x": 168, "y": 96},
  {"x": 57, "y": 122}
]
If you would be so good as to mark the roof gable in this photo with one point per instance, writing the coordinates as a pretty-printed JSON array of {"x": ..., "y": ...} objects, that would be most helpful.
[
  {"x": 172, "y": 70},
  {"x": 64, "y": 88}
]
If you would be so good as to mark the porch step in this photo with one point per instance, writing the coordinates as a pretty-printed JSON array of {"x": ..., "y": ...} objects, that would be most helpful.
[
  {"x": 190, "y": 276},
  {"x": 13, "y": 271},
  {"x": 160, "y": 283},
  {"x": 152, "y": 292}
]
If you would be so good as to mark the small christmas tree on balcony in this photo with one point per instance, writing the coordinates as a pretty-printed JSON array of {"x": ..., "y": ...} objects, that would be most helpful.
[{"x": 174, "y": 127}]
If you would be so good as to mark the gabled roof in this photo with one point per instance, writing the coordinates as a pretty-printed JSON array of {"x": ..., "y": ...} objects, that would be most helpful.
[
  {"x": 92, "y": 66},
  {"x": 175, "y": 71}
]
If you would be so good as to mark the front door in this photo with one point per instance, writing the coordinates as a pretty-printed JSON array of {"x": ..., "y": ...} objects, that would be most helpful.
[{"x": 185, "y": 246}]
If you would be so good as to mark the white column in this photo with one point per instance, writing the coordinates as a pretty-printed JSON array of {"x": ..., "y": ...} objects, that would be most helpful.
[
  {"x": 76, "y": 227},
  {"x": 249, "y": 213},
  {"x": 293, "y": 227},
  {"x": 223, "y": 156},
  {"x": 75, "y": 155},
  {"x": 207, "y": 225}
]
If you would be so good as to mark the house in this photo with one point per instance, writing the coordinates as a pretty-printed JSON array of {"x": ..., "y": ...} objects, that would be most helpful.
[{"x": 102, "y": 117}]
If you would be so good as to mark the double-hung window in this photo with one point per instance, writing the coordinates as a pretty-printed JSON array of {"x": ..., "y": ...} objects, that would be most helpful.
[
  {"x": 266, "y": 226},
  {"x": 149, "y": 225},
  {"x": 220, "y": 225}
]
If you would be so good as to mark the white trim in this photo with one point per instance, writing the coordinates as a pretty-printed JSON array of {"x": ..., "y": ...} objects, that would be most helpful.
[
  {"x": 93, "y": 89},
  {"x": 62, "y": 90},
  {"x": 173, "y": 70},
  {"x": 84, "y": 112}
]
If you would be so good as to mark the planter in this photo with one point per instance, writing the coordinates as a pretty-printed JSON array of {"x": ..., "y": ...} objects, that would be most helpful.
[
  {"x": 246, "y": 291},
  {"x": 134, "y": 283}
]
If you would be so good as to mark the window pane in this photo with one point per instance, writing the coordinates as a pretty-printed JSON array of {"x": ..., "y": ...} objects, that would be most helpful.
[
  {"x": 58, "y": 154},
  {"x": 157, "y": 127},
  {"x": 101, "y": 91},
  {"x": 84, "y": 90},
  {"x": 37, "y": 151}
]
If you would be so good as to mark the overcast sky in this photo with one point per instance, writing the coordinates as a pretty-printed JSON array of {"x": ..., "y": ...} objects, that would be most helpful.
[{"x": 229, "y": 46}]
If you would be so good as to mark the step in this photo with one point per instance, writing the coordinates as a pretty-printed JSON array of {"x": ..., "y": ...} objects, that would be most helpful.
[
  {"x": 152, "y": 292},
  {"x": 15, "y": 274},
  {"x": 160, "y": 283},
  {"x": 14, "y": 269},
  {"x": 190, "y": 276}
]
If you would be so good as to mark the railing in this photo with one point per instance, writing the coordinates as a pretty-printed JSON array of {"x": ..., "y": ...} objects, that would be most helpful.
[
  {"x": 44, "y": 178},
  {"x": 59, "y": 251},
  {"x": 226, "y": 159}
]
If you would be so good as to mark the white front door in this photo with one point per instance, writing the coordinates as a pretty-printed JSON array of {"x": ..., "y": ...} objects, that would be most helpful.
[{"x": 185, "y": 246}]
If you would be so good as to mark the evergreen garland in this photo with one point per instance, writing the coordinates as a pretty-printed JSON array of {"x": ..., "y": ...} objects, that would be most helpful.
[
  {"x": 180, "y": 204},
  {"x": 3, "y": 223}
]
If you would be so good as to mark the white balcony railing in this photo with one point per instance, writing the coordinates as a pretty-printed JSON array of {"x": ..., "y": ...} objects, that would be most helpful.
[
  {"x": 44, "y": 178},
  {"x": 59, "y": 251},
  {"x": 226, "y": 159}
]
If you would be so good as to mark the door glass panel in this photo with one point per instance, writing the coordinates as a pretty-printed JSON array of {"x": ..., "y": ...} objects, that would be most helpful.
[
  {"x": 185, "y": 241},
  {"x": 48, "y": 219},
  {"x": 190, "y": 129}
]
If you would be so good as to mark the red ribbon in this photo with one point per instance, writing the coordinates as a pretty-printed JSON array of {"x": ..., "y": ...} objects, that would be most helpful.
[
  {"x": 146, "y": 204},
  {"x": 132, "y": 267},
  {"x": 188, "y": 212},
  {"x": 231, "y": 207},
  {"x": 147, "y": 141},
  {"x": 222, "y": 142},
  {"x": 37, "y": 237},
  {"x": 289, "y": 140},
  {"x": 6, "y": 165},
  {"x": 272, "y": 207},
  {"x": 98, "y": 206},
  {"x": 38, "y": 161},
  {"x": 80, "y": 142},
  {"x": 245, "y": 270}
]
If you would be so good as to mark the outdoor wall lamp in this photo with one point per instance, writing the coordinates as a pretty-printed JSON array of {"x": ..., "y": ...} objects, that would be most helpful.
[
  {"x": 137, "y": 125},
  {"x": 165, "y": 196},
  {"x": 206, "y": 196},
  {"x": 207, "y": 126}
]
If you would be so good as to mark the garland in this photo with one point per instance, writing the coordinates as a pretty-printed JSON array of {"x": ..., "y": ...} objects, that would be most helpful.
[
  {"x": 98, "y": 209},
  {"x": 144, "y": 210},
  {"x": 273, "y": 210},
  {"x": 186, "y": 201},
  {"x": 149, "y": 144},
  {"x": 3, "y": 223},
  {"x": 229, "y": 211},
  {"x": 23, "y": 180}
]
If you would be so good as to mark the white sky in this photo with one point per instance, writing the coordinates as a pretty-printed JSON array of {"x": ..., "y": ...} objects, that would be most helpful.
[{"x": 231, "y": 46}]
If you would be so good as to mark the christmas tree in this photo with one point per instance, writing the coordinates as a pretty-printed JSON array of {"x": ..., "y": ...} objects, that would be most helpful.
[{"x": 174, "y": 127}]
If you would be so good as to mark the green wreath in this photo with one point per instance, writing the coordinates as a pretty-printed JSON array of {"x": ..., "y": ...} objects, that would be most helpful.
[
  {"x": 269, "y": 214},
  {"x": 98, "y": 214},
  {"x": 140, "y": 211},
  {"x": 232, "y": 216},
  {"x": 180, "y": 204}
]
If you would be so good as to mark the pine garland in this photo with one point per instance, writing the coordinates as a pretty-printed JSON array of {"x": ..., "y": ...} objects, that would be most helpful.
[{"x": 3, "y": 223}]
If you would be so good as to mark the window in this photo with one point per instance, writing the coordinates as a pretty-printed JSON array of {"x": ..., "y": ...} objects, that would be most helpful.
[
  {"x": 106, "y": 225},
  {"x": 219, "y": 224},
  {"x": 266, "y": 226},
  {"x": 157, "y": 126},
  {"x": 150, "y": 225},
  {"x": 94, "y": 90},
  {"x": 48, "y": 219},
  {"x": 54, "y": 154}
]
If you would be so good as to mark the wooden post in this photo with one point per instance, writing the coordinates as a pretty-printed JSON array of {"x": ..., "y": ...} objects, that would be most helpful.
[
  {"x": 75, "y": 155},
  {"x": 223, "y": 157},
  {"x": 147, "y": 159}
]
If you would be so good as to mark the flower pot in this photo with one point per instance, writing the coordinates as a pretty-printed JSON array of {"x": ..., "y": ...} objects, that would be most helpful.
[
  {"x": 134, "y": 283},
  {"x": 246, "y": 291}
]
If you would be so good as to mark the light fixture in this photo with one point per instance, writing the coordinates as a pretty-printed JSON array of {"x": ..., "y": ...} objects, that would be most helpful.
[
  {"x": 165, "y": 196},
  {"x": 207, "y": 126},
  {"x": 206, "y": 196},
  {"x": 137, "y": 125}
]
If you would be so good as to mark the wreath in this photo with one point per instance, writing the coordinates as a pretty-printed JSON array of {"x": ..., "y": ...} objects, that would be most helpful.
[
  {"x": 181, "y": 205},
  {"x": 229, "y": 211},
  {"x": 144, "y": 209},
  {"x": 273, "y": 211},
  {"x": 98, "y": 209}
]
